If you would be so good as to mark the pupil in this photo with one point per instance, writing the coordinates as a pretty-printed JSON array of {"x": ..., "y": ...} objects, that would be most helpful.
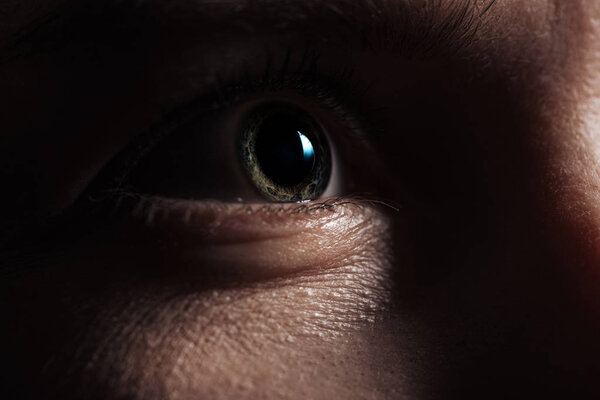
[{"x": 283, "y": 151}]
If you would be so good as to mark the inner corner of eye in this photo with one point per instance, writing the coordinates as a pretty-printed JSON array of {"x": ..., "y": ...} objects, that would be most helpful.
[{"x": 285, "y": 153}]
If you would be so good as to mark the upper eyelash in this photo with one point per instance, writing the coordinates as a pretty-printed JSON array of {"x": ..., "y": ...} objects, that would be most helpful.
[{"x": 339, "y": 92}]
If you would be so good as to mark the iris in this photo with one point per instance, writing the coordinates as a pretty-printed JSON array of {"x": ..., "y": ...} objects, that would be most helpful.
[{"x": 285, "y": 153}]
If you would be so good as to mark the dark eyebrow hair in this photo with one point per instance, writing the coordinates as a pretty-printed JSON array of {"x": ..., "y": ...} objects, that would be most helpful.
[{"x": 410, "y": 26}]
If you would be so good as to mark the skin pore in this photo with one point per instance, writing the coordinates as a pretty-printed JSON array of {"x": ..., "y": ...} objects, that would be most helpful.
[{"x": 455, "y": 256}]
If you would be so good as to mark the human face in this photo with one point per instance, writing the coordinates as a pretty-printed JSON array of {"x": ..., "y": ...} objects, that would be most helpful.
[{"x": 453, "y": 253}]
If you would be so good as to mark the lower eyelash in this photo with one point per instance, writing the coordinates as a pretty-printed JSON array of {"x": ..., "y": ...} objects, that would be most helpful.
[{"x": 149, "y": 208}]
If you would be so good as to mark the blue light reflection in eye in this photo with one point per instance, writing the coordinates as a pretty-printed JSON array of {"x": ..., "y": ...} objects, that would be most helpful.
[{"x": 307, "y": 148}]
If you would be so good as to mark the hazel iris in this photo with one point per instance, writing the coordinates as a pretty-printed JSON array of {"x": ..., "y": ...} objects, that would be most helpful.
[{"x": 285, "y": 153}]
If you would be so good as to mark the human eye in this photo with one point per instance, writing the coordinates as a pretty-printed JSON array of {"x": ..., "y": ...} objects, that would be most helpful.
[
  {"x": 281, "y": 137},
  {"x": 265, "y": 156}
]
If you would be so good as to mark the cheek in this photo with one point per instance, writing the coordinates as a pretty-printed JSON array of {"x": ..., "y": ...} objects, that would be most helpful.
[{"x": 143, "y": 311}]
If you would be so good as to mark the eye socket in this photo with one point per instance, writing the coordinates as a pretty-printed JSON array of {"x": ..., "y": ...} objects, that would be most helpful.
[{"x": 285, "y": 153}]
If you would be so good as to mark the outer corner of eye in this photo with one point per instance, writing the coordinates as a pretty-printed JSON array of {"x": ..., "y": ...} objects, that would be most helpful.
[{"x": 287, "y": 154}]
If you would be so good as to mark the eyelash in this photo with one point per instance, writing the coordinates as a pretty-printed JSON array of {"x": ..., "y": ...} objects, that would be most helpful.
[{"x": 338, "y": 94}]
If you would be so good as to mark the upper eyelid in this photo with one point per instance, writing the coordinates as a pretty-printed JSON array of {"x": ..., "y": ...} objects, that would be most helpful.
[{"x": 339, "y": 93}]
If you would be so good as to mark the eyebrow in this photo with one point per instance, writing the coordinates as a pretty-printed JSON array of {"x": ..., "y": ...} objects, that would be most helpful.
[{"x": 410, "y": 26}]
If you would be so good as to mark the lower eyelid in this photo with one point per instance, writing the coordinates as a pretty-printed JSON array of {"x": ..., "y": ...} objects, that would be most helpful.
[{"x": 265, "y": 240}]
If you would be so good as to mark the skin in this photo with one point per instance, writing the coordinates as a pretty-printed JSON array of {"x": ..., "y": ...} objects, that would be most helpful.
[{"x": 477, "y": 276}]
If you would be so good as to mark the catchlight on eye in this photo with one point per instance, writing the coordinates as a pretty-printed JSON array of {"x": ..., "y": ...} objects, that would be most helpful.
[{"x": 285, "y": 153}]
